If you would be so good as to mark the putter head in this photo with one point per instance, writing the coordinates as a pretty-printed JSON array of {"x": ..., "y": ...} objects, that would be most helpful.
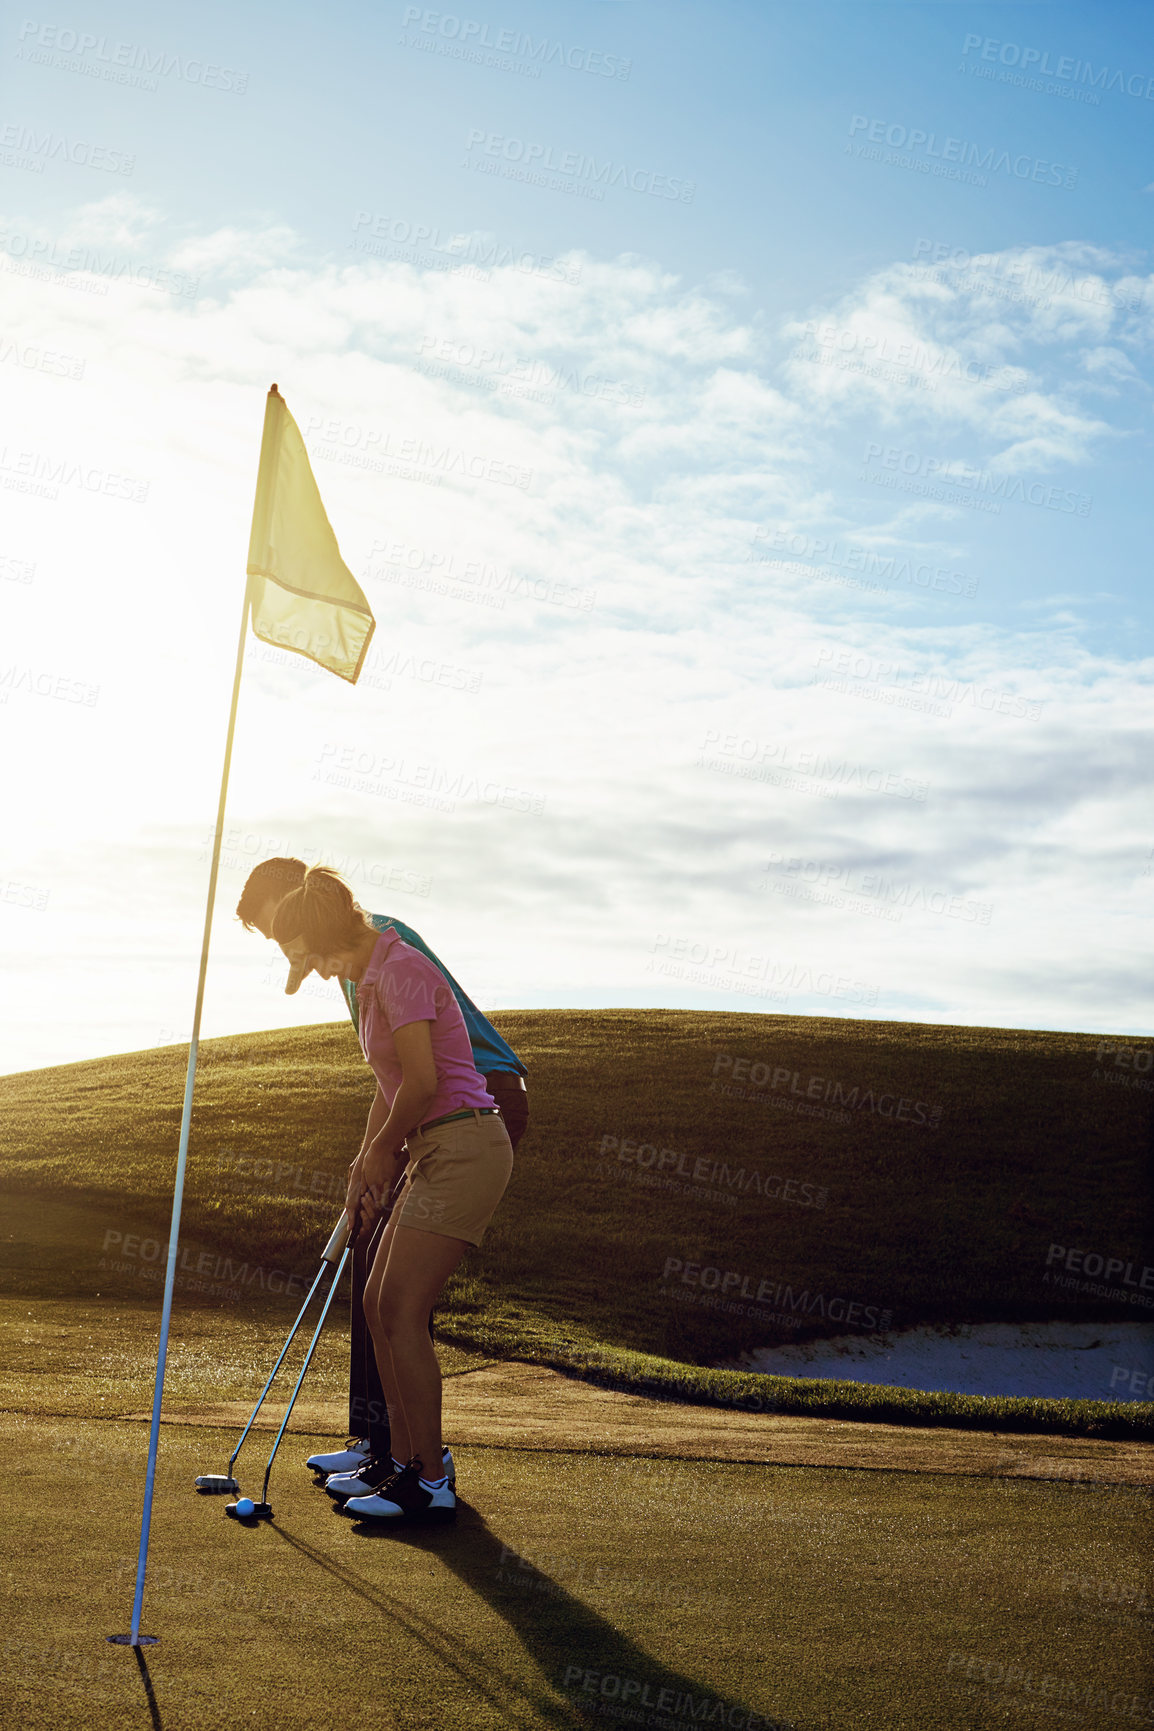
[
  {"x": 215, "y": 1484},
  {"x": 260, "y": 1512}
]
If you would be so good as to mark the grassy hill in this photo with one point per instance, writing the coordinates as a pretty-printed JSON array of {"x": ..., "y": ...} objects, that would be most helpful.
[{"x": 692, "y": 1185}]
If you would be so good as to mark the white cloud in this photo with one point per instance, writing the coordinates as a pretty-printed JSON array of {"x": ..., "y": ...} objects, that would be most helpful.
[
  {"x": 644, "y": 493},
  {"x": 1109, "y": 362},
  {"x": 990, "y": 347},
  {"x": 121, "y": 220},
  {"x": 234, "y": 252}
]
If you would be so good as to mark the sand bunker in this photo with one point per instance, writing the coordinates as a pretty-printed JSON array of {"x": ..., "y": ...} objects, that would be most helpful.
[{"x": 1071, "y": 1360}]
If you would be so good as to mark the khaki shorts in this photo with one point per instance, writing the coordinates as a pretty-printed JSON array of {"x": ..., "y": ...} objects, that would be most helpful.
[{"x": 455, "y": 1178}]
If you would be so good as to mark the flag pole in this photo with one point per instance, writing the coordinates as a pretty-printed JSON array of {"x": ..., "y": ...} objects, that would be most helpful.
[
  {"x": 135, "y": 1638},
  {"x": 299, "y": 558}
]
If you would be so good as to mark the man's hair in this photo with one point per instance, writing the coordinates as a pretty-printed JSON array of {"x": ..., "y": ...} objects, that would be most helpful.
[
  {"x": 272, "y": 877},
  {"x": 322, "y": 912}
]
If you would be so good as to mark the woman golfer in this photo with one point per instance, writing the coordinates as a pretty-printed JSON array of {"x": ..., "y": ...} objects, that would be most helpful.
[{"x": 459, "y": 1162}]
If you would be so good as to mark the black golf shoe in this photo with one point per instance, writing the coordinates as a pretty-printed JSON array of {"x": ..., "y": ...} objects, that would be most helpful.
[
  {"x": 372, "y": 1475},
  {"x": 404, "y": 1498}
]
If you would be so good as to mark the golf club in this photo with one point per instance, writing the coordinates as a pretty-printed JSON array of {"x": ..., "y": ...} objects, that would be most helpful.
[
  {"x": 262, "y": 1511},
  {"x": 214, "y": 1484}
]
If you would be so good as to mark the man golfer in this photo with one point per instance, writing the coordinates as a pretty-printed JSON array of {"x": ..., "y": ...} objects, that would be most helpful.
[{"x": 503, "y": 1074}]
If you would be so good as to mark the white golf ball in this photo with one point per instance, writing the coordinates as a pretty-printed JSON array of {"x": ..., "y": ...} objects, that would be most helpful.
[{"x": 245, "y": 1506}]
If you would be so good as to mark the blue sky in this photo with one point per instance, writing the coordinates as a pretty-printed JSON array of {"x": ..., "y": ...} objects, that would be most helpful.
[{"x": 759, "y": 548}]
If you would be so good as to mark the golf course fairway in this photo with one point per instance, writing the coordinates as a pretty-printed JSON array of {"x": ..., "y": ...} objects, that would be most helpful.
[{"x": 643, "y": 1537}]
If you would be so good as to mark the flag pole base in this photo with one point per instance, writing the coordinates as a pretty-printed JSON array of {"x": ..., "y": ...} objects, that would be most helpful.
[{"x": 128, "y": 1641}]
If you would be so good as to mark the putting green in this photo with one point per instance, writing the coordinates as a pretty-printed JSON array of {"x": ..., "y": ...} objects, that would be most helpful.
[
  {"x": 833, "y": 1558},
  {"x": 572, "y": 1586}
]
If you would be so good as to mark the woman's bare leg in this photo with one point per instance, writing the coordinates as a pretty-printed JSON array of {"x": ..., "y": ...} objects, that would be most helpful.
[{"x": 408, "y": 1274}]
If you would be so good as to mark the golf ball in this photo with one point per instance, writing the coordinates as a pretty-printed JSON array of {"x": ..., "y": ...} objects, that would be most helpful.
[{"x": 245, "y": 1506}]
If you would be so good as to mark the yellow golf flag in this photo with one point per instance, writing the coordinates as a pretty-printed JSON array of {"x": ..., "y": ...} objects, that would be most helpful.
[{"x": 304, "y": 597}]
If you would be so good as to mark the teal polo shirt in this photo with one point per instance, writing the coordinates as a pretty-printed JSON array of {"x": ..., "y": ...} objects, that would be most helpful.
[{"x": 490, "y": 1051}]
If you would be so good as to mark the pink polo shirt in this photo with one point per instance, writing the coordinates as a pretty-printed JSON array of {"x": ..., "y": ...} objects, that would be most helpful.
[{"x": 399, "y": 986}]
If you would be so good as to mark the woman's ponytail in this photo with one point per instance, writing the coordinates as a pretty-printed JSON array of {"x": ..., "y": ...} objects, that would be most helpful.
[{"x": 322, "y": 912}]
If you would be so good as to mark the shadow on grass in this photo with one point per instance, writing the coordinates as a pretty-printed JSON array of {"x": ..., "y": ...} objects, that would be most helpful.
[
  {"x": 565, "y": 1639},
  {"x": 149, "y": 1691}
]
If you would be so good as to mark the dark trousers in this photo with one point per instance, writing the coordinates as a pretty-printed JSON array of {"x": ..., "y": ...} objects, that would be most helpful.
[{"x": 368, "y": 1411}]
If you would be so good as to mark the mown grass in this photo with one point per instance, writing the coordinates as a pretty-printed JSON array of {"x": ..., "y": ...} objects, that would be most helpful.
[
  {"x": 949, "y": 1225},
  {"x": 801, "y": 1597}
]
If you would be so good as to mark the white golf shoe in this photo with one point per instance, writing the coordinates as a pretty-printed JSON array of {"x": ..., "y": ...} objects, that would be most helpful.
[
  {"x": 405, "y": 1497},
  {"x": 346, "y": 1460},
  {"x": 372, "y": 1475}
]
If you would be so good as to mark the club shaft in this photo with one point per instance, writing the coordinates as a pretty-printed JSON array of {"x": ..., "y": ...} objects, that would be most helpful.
[
  {"x": 277, "y": 1365},
  {"x": 304, "y": 1367}
]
